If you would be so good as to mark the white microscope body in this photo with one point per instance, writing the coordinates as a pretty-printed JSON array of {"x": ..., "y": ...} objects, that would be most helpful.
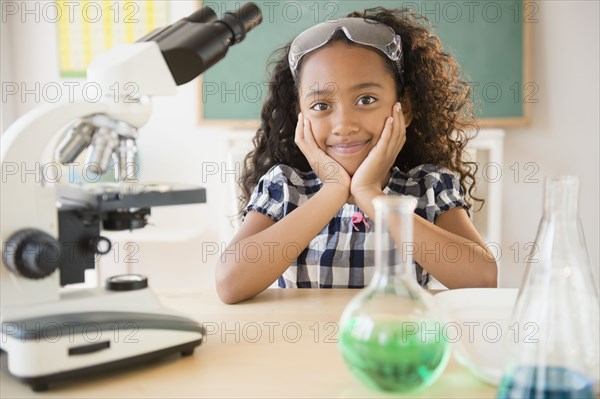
[
  {"x": 50, "y": 333},
  {"x": 36, "y": 348}
]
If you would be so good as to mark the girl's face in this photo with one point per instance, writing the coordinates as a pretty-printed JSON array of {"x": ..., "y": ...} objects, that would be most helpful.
[{"x": 347, "y": 93}]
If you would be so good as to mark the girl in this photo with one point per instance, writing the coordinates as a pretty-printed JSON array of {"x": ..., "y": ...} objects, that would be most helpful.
[{"x": 358, "y": 107}]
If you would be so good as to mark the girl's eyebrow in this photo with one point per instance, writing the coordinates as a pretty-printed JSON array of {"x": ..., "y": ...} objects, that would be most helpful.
[
  {"x": 366, "y": 85},
  {"x": 327, "y": 89}
]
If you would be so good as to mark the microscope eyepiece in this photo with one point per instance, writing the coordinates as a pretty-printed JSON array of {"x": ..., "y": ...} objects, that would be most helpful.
[
  {"x": 243, "y": 20},
  {"x": 195, "y": 43}
]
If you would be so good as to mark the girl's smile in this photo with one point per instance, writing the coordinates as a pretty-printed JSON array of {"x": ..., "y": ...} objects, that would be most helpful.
[{"x": 350, "y": 148}]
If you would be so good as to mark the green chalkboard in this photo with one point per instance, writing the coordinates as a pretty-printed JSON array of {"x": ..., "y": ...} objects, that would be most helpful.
[{"x": 488, "y": 38}]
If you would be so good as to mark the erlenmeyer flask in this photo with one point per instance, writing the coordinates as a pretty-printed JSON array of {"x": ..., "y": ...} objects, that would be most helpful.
[
  {"x": 554, "y": 350},
  {"x": 390, "y": 335}
]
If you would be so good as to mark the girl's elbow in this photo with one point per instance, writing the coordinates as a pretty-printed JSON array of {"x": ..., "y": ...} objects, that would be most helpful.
[
  {"x": 227, "y": 297},
  {"x": 491, "y": 282},
  {"x": 490, "y": 277},
  {"x": 226, "y": 294},
  {"x": 224, "y": 286}
]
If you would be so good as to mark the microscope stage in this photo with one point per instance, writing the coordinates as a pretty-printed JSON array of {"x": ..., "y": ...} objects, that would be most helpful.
[{"x": 102, "y": 197}]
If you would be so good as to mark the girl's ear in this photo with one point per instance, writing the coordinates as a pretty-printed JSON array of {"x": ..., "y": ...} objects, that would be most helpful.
[{"x": 407, "y": 109}]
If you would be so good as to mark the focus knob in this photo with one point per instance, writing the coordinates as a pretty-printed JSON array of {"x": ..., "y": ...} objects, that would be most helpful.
[
  {"x": 100, "y": 245},
  {"x": 32, "y": 253}
]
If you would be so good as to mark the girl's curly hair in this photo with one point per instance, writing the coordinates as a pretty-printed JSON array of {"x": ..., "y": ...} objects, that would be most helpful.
[{"x": 442, "y": 109}]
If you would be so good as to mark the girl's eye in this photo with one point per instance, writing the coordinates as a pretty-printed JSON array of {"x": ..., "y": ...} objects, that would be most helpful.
[
  {"x": 366, "y": 100},
  {"x": 319, "y": 107}
]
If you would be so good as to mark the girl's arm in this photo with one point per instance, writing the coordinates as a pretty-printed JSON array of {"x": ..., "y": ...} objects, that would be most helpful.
[
  {"x": 450, "y": 249},
  {"x": 263, "y": 249},
  {"x": 463, "y": 259}
]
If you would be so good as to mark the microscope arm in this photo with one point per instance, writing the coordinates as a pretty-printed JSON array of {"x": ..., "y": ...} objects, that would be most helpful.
[
  {"x": 27, "y": 198},
  {"x": 24, "y": 145}
]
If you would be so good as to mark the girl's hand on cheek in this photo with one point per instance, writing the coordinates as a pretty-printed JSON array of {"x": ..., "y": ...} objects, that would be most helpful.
[
  {"x": 372, "y": 174},
  {"x": 326, "y": 168}
]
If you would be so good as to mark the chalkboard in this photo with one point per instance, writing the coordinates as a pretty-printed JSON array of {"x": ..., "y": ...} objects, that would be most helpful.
[{"x": 490, "y": 40}]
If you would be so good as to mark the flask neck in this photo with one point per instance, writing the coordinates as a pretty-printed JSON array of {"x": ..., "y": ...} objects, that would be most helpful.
[
  {"x": 392, "y": 278},
  {"x": 394, "y": 245},
  {"x": 559, "y": 254},
  {"x": 560, "y": 198}
]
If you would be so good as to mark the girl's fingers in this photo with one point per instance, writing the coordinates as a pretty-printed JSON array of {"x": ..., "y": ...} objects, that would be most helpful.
[
  {"x": 399, "y": 116},
  {"x": 386, "y": 134},
  {"x": 305, "y": 139},
  {"x": 308, "y": 135},
  {"x": 399, "y": 127},
  {"x": 299, "y": 135}
]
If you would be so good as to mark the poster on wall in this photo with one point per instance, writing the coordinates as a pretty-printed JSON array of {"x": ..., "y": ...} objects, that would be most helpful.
[{"x": 88, "y": 28}]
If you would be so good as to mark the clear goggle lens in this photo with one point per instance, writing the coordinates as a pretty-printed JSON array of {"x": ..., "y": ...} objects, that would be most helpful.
[{"x": 359, "y": 30}]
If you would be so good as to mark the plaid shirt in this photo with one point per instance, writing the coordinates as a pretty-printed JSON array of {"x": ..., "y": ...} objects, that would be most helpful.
[{"x": 342, "y": 255}]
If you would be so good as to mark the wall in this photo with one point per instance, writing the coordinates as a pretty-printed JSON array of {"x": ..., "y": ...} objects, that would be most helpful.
[
  {"x": 562, "y": 139},
  {"x": 563, "y": 136}
]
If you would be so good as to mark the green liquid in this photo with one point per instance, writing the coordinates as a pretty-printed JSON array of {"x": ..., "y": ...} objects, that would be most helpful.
[{"x": 393, "y": 355}]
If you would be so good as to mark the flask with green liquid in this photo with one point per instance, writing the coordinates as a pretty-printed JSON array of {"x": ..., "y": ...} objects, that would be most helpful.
[
  {"x": 390, "y": 335},
  {"x": 555, "y": 345}
]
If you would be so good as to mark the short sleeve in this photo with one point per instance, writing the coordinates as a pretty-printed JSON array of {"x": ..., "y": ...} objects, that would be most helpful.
[
  {"x": 444, "y": 187},
  {"x": 276, "y": 194}
]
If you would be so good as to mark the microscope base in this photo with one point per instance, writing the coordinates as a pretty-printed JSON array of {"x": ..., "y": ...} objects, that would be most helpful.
[
  {"x": 47, "y": 346},
  {"x": 42, "y": 383}
]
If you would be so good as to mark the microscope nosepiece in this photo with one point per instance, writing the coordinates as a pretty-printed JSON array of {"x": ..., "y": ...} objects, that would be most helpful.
[
  {"x": 100, "y": 153},
  {"x": 77, "y": 139},
  {"x": 125, "y": 165}
]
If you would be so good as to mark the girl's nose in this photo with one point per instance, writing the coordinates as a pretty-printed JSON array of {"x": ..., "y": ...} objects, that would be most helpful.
[{"x": 345, "y": 122}]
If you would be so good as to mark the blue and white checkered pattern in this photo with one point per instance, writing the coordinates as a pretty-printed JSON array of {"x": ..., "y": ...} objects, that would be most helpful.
[{"x": 340, "y": 256}]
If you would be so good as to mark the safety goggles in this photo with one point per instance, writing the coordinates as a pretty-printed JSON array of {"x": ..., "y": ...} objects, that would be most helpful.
[{"x": 359, "y": 30}]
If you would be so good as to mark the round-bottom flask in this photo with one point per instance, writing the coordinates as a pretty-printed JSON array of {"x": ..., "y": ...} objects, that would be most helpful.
[{"x": 390, "y": 335}]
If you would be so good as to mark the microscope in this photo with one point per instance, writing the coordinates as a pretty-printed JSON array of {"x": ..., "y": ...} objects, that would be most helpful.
[{"x": 51, "y": 232}]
